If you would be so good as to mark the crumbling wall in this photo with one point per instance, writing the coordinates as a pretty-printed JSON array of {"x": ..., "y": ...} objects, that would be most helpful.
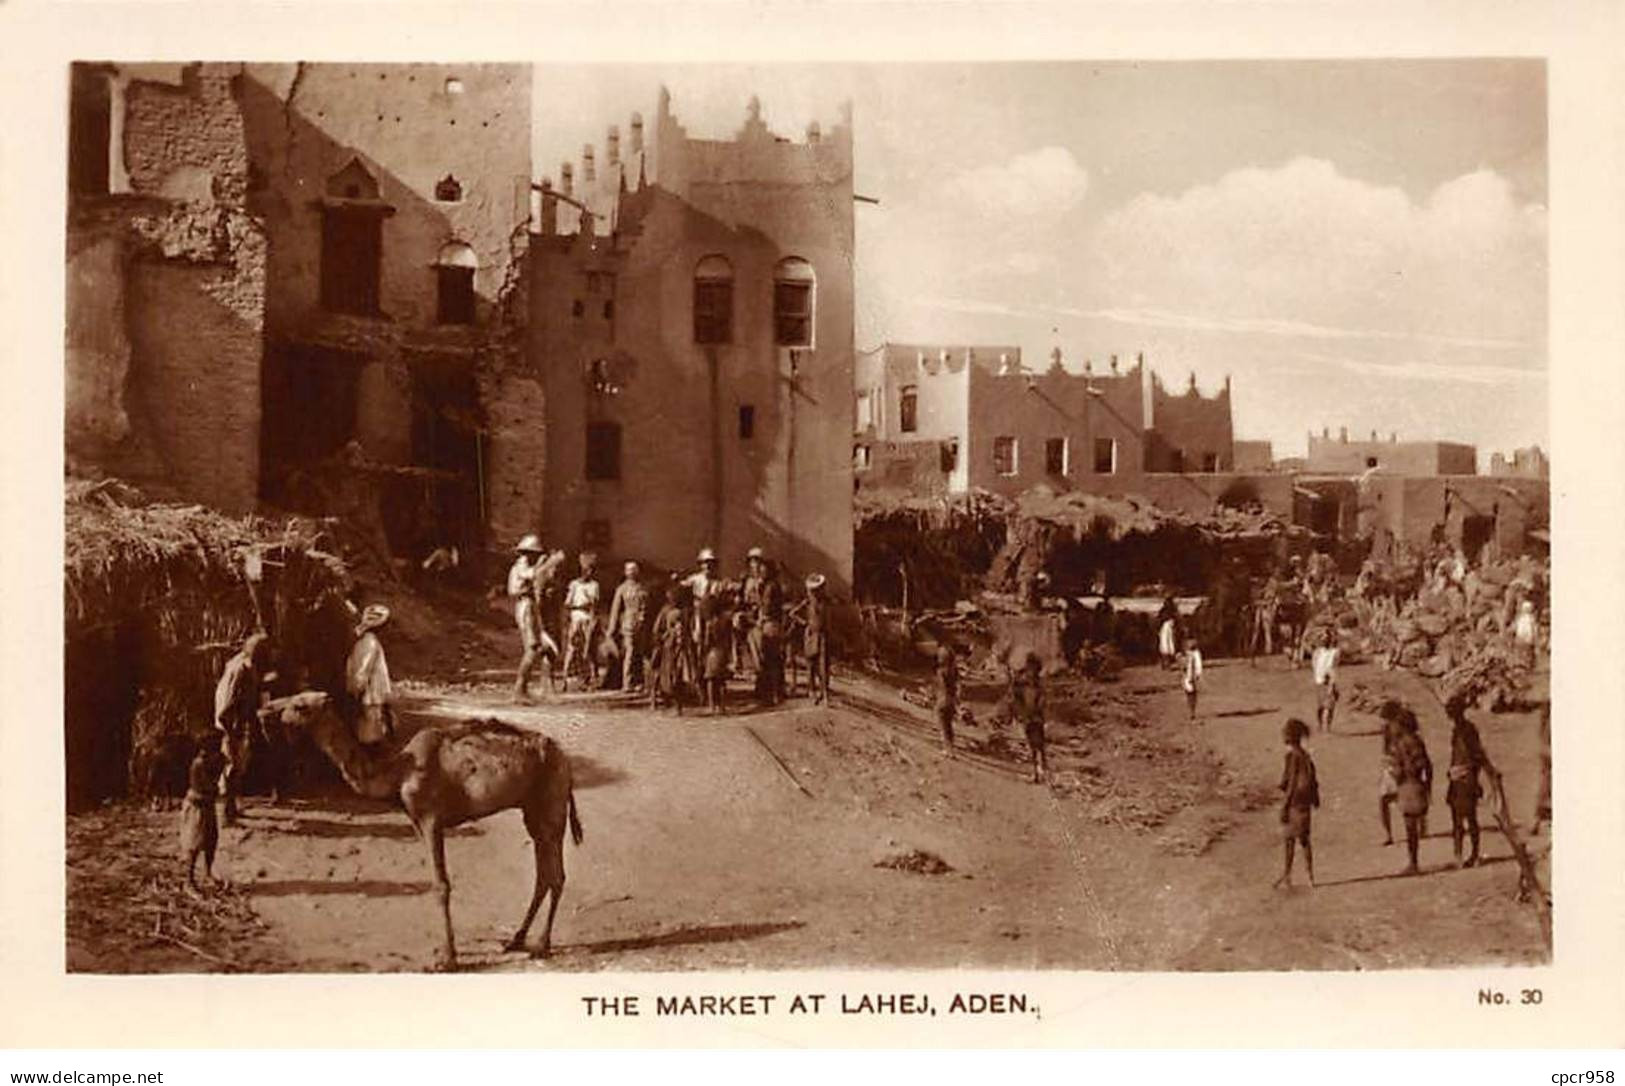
[
  {"x": 186, "y": 143},
  {"x": 516, "y": 454},
  {"x": 98, "y": 350},
  {"x": 196, "y": 380}
]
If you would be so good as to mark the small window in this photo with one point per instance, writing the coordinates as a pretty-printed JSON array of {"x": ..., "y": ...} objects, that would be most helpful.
[
  {"x": 860, "y": 456},
  {"x": 595, "y": 535},
  {"x": 866, "y": 410},
  {"x": 1371, "y": 461},
  {"x": 1176, "y": 462},
  {"x": 1105, "y": 456},
  {"x": 578, "y": 308},
  {"x": 454, "y": 86},
  {"x": 603, "y": 450},
  {"x": 1004, "y": 455},
  {"x": 908, "y": 408},
  {"x": 948, "y": 456},
  {"x": 448, "y": 190},
  {"x": 793, "y": 303},
  {"x": 1210, "y": 462},
  {"x": 609, "y": 309},
  {"x": 1055, "y": 456},
  {"x": 747, "y": 421},
  {"x": 713, "y": 301}
]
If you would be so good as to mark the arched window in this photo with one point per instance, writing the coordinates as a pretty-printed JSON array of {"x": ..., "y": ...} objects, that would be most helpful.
[
  {"x": 454, "y": 268},
  {"x": 793, "y": 284},
  {"x": 714, "y": 301}
]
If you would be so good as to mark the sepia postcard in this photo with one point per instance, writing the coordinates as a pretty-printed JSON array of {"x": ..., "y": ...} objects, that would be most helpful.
[{"x": 659, "y": 532}]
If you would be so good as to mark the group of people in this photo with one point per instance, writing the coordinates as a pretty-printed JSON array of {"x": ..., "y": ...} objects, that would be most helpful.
[
  {"x": 679, "y": 643},
  {"x": 1407, "y": 779},
  {"x": 215, "y": 776}
]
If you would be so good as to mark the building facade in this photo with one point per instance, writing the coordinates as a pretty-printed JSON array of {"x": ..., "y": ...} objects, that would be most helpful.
[
  {"x": 692, "y": 317},
  {"x": 301, "y": 284},
  {"x": 1530, "y": 463},
  {"x": 1340, "y": 456},
  {"x": 1003, "y": 427}
]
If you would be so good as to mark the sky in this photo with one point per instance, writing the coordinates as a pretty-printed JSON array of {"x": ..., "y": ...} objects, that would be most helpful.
[{"x": 1356, "y": 244}]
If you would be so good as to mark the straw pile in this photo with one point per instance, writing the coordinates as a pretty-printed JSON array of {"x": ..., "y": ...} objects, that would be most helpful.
[{"x": 157, "y": 598}]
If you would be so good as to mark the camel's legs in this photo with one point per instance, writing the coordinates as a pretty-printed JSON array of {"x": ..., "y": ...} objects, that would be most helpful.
[
  {"x": 518, "y": 940},
  {"x": 552, "y": 852},
  {"x": 436, "y": 837}
]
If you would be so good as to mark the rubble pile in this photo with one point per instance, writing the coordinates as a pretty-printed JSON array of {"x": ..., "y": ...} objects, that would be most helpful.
[
  {"x": 158, "y": 596},
  {"x": 1461, "y": 631}
]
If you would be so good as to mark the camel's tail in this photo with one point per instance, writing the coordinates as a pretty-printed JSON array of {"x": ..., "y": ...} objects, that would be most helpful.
[{"x": 575, "y": 821}]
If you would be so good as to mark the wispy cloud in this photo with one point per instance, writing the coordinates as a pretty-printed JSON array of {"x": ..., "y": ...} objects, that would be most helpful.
[
  {"x": 1433, "y": 371},
  {"x": 1276, "y": 326}
]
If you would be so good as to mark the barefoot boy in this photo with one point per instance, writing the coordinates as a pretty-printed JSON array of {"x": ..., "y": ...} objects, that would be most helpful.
[
  {"x": 1300, "y": 794},
  {"x": 1027, "y": 704},
  {"x": 200, "y": 826},
  {"x": 947, "y": 694},
  {"x": 1192, "y": 680}
]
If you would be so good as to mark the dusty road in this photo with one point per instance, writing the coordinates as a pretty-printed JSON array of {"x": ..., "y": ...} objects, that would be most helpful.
[{"x": 701, "y": 853}]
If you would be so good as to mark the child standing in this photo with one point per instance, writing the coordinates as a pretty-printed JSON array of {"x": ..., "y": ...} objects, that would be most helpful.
[
  {"x": 1323, "y": 665},
  {"x": 200, "y": 827},
  {"x": 1415, "y": 771},
  {"x": 815, "y": 637},
  {"x": 1467, "y": 758},
  {"x": 718, "y": 625},
  {"x": 1300, "y": 795},
  {"x": 669, "y": 662},
  {"x": 1027, "y": 704},
  {"x": 1192, "y": 680},
  {"x": 947, "y": 691}
]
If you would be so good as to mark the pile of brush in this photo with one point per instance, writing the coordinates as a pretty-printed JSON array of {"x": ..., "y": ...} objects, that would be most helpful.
[{"x": 157, "y": 598}]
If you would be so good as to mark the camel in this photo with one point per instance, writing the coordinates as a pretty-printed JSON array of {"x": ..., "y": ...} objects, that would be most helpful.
[{"x": 444, "y": 777}]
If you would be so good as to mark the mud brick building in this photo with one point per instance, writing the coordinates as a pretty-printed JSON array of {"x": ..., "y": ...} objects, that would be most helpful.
[
  {"x": 1341, "y": 456},
  {"x": 692, "y": 319},
  {"x": 300, "y": 284},
  {"x": 397, "y": 201},
  {"x": 166, "y": 280},
  {"x": 1003, "y": 427}
]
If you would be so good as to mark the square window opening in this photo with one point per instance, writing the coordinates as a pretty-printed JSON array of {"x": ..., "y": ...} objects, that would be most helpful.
[
  {"x": 1105, "y": 456},
  {"x": 747, "y": 421},
  {"x": 1004, "y": 456},
  {"x": 1055, "y": 456}
]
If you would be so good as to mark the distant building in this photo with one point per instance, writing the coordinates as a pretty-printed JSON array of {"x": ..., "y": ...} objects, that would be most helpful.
[
  {"x": 1000, "y": 426},
  {"x": 692, "y": 319},
  {"x": 1530, "y": 463},
  {"x": 1254, "y": 456},
  {"x": 1340, "y": 456}
]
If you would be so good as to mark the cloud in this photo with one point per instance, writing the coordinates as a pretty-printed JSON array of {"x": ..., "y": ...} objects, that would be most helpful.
[
  {"x": 1039, "y": 184},
  {"x": 1307, "y": 249}
]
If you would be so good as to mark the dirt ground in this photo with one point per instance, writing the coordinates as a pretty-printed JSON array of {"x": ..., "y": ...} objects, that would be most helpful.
[{"x": 1154, "y": 848}]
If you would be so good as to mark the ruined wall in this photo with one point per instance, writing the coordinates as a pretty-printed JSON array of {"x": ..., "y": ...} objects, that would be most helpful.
[
  {"x": 195, "y": 384},
  {"x": 98, "y": 348},
  {"x": 689, "y": 475},
  {"x": 1407, "y": 509},
  {"x": 166, "y": 295}
]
